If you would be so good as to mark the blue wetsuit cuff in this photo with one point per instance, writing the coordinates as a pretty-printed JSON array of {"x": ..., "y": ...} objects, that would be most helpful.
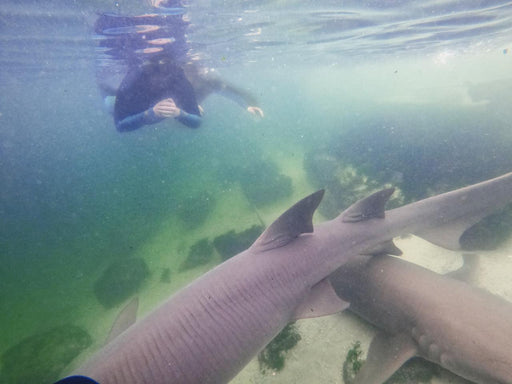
[
  {"x": 133, "y": 122},
  {"x": 150, "y": 117},
  {"x": 189, "y": 119}
]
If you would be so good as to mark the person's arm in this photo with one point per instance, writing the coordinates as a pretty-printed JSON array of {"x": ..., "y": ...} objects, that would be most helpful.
[
  {"x": 189, "y": 119},
  {"x": 242, "y": 98},
  {"x": 131, "y": 123},
  {"x": 207, "y": 82},
  {"x": 162, "y": 110}
]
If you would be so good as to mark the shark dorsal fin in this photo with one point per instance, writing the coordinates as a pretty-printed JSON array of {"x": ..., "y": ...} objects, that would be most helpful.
[
  {"x": 124, "y": 319},
  {"x": 371, "y": 207},
  {"x": 296, "y": 220}
]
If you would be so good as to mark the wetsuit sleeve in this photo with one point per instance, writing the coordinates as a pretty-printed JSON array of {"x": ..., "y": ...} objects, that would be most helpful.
[
  {"x": 239, "y": 96},
  {"x": 209, "y": 84},
  {"x": 189, "y": 119},
  {"x": 147, "y": 117},
  {"x": 133, "y": 122}
]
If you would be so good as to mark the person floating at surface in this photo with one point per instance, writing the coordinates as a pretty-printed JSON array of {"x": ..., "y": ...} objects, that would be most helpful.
[
  {"x": 161, "y": 81},
  {"x": 160, "y": 89}
]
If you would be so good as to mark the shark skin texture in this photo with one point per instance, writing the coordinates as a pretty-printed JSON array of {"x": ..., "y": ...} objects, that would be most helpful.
[
  {"x": 209, "y": 330},
  {"x": 418, "y": 312}
]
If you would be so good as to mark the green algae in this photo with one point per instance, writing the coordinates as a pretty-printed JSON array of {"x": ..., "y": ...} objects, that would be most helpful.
[{"x": 273, "y": 356}]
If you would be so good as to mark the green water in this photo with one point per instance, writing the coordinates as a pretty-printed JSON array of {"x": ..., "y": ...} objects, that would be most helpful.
[{"x": 77, "y": 195}]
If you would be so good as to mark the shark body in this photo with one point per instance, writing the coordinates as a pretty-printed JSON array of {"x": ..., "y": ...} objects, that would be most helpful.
[
  {"x": 418, "y": 312},
  {"x": 209, "y": 330}
]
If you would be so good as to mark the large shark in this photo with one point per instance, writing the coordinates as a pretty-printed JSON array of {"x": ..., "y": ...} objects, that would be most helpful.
[
  {"x": 209, "y": 330},
  {"x": 418, "y": 312}
]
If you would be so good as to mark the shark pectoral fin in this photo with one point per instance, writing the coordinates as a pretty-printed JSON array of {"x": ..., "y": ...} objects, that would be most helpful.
[
  {"x": 124, "y": 319},
  {"x": 296, "y": 220},
  {"x": 449, "y": 234},
  {"x": 469, "y": 270},
  {"x": 387, "y": 353},
  {"x": 384, "y": 248},
  {"x": 321, "y": 301},
  {"x": 371, "y": 207}
]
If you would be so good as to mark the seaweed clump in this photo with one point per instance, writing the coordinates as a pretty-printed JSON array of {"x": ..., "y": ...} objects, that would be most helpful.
[
  {"x": 353, "y": 363},
  {"x": 416, "y": 370},
  {"x": 274, "y": 354},
  {"x": 231, "y": 243},
  {"x": 42, "y": 357},
  {"x": 120, "y": 280},
  {"x": 199, "y": 254}
]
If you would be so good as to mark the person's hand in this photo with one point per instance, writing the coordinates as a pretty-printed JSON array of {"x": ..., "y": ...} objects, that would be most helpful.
[
  {"x": 258, "y": 112},
  {"x": 166, "y": 108}
]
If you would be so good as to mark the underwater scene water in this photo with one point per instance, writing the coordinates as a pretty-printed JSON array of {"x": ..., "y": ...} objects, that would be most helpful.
[{"x": 357, "y": 96}]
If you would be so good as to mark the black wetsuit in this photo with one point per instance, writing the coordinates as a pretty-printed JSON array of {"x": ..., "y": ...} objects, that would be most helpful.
[{"x": 146, "y": 85}]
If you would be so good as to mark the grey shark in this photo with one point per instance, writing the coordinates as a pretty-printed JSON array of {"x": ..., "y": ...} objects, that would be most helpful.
[
  {"x": 209, "y": 330},
  {"x": 418, "y": 312}
]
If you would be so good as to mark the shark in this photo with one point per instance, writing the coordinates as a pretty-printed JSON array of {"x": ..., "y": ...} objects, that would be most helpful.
[
  {"x": 210, "y": 329},
  {"x": 442, "y": 318}
]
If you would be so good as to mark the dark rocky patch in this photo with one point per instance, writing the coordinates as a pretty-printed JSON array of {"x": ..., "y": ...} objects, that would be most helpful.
[
  {"x": 199, "y": 254},
  {"x": 433, "y": 149},
  {"x": 120, "y": 281},
  {"x": 165, "y": 277},
  {"x": 41, "y": 358},
  {"x": 260, "y": 181},
  {"x": 343, "y": 184},
  {"x": 231, "y": 243}
]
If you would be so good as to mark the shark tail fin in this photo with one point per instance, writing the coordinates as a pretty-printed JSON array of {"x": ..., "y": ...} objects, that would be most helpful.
[
  {"x": 448, "y": 235},
  {"x": 371, "y": 207},
  {"x": 296, "y": 220}
]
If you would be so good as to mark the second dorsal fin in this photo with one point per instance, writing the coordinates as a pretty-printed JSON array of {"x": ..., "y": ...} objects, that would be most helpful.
[
  {"x": 296, "y": 220},
  {"x": 370, "y": 207}
]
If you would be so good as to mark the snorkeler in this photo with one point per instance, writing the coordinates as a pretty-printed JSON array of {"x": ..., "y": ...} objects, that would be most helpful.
[
  {"x": 160, "y": 89},
  {"x": 161, "y": 81}
]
